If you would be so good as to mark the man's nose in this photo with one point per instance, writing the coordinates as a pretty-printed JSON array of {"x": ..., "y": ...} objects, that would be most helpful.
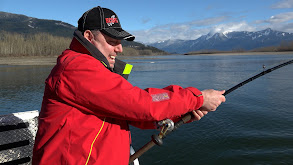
[{"x": 118, "y": 48}]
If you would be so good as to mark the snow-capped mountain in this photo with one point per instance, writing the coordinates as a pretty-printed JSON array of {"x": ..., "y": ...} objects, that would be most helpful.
[{"x": 227, "y": 41}]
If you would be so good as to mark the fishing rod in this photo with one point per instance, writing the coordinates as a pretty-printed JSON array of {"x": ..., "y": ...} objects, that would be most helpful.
[{"x": 168, "y": 126}]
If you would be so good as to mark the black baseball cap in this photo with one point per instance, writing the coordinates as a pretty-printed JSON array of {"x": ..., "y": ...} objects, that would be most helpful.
[{"x": 106, "y": 21}]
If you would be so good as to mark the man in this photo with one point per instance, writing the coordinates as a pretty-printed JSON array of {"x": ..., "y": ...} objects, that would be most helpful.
[{"x": 88, "y": 104}]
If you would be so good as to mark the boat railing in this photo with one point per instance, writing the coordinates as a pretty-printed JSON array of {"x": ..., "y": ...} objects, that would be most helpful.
[{"x": 17, "y": 135}]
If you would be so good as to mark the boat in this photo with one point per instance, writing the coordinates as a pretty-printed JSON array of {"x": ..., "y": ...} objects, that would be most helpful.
[{"x": 17, "y": 135}]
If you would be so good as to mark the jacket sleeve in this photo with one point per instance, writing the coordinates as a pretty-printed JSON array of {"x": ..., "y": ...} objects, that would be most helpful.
[
  {"x": 87, "y": 85},
  {"x": 152, "y": 125}
]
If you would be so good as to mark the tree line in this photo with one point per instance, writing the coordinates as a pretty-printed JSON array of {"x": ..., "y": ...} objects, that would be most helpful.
[
  {"x": 285, "y": 46},
  {"x": 40, "y": 44},
  {"x": 44, "y": 44}
]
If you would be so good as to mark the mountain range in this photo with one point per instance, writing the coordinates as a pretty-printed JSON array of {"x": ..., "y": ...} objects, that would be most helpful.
[
  {"x": 243, "y": 40},
  {"x": 229, "y": 41},
  {"x": 16, "y": 23}
]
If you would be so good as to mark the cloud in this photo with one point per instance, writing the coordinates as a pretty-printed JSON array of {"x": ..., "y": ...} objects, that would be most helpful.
[
  {"x": 163, "y": 32},
  {"x": 222, "y": 24},
  {"x": 145, "y": 20},
  {"x": 232, "y": 26},
  {"x": 280, "y": 18},
  {"x": 184, "y": 31},
  {"x": 210, "y": 21},
  {"x": 283, "y": 4},
  {"x": 281, "y": 22},
  {"x": 288, "y": 27},
  {"x": 187, "y": 31}
]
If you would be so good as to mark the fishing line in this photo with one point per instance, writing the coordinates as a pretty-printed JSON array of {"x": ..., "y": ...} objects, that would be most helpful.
[
  {"x": 257, "y": 76},
  {"x": 157, "y": 139}
]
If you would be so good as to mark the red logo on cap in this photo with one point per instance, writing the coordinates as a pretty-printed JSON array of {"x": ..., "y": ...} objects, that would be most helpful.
[{"x": 111, "y": 21}]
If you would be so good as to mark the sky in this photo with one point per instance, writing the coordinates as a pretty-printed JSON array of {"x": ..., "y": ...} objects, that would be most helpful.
[{"x": 159, "y": 20}]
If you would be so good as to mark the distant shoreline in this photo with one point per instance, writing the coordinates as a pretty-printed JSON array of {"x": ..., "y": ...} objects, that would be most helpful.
[
  {"x": 28, "y": 60},
  {"x": 240, "y": 53},
  {"x": 41, "y": 60}
]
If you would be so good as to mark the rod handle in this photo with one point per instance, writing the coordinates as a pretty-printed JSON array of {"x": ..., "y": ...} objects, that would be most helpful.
[
  {"x": 142, "y": 150},
  {"x": 187, "y": 117}
]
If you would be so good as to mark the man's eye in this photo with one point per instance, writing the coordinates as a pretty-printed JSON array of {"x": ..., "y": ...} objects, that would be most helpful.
[{"x": 113, "y": 43}]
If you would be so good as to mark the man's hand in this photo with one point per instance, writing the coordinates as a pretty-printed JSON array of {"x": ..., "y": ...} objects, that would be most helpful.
[
  {"x": 212, "y": 99},
  {"x": 197, "y": 115}
]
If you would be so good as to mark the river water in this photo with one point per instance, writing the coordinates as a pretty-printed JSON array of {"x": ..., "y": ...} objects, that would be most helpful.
[{"x": 254, "y": 126}]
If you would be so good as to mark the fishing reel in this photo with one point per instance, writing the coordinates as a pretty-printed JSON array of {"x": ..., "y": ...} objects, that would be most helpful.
[{"x": 165, "y": 127}]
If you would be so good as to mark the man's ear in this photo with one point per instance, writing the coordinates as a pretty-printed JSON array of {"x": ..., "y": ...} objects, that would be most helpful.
[{"x": 88, "y": 35}]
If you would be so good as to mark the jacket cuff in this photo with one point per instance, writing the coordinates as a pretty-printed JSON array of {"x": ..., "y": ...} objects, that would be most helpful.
[{"x": 197, "y": 93}]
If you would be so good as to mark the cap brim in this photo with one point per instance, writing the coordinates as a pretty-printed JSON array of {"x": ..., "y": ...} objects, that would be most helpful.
[{"x": 118, "y": 33}]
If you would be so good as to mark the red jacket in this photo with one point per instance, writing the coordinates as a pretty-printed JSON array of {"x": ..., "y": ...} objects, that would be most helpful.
[{"x": 87, "y": 107}]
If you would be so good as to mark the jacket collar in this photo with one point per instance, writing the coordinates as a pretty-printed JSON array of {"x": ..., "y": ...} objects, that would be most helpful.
[{"x": 82, "y": 45}]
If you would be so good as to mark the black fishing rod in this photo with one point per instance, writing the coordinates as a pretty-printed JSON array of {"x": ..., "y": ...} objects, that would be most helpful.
[{"x": 168, "y": 126}]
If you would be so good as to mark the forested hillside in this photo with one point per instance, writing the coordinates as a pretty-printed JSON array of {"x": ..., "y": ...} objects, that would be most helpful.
[{"x": 26, "y": 36}]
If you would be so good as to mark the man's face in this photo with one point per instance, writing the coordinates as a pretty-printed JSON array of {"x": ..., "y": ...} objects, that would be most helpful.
[{"x": 108, "y": 46}]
